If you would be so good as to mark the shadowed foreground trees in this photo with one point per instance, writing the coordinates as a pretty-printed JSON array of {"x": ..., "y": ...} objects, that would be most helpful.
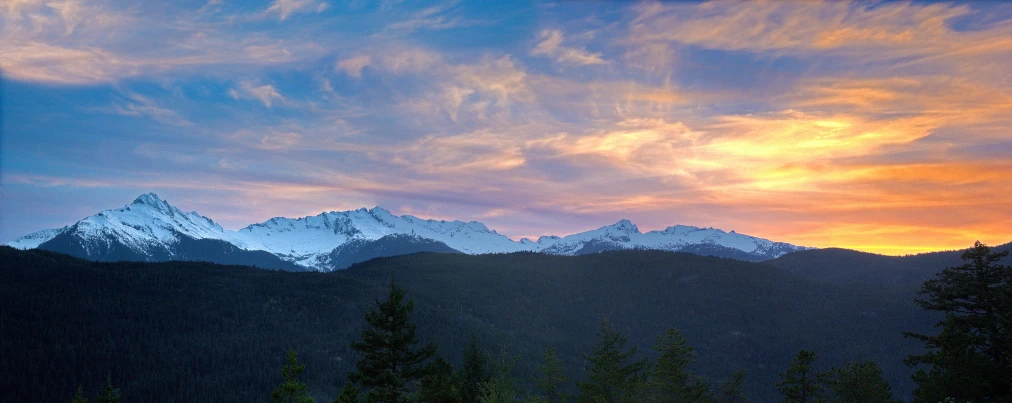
[
  {"x": 183, "y": 319},
  {"x": 394, "y": 371},
  {"x": 971, "y": 358},
  {"x": 224, "y": 330}
]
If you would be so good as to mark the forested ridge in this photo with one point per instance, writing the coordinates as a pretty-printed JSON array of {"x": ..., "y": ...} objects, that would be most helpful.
[{"x": 189, "y": 331}]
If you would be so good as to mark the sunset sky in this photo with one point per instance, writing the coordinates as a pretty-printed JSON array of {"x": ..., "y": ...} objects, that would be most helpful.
[{"x": 882, "y": 127}]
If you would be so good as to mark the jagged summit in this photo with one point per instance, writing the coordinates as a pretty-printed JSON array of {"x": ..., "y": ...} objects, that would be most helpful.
[
  {"x": 151, "y": 224},
  {"x": 622, "y": 226},
  {"x": 150, "y": 199}
]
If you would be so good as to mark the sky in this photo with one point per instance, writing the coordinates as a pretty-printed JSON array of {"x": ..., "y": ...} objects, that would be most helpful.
[{"x": 878, "y": 126}]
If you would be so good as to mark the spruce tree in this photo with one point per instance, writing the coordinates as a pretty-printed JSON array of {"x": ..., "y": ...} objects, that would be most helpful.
[
  {"x": 611, "y": 378},
  {"x": 550, "y": 376},
  {"x": 391, "y": 366},
  {"x": 732, "y": 390},
  {"x": 971, "y": 358},
  {"x": 859, "y": 382},
  {"x": 474, "y": 372},
  {"x": 79, "y": 397},
  {"x": 670, "y": 380},
  {"x": 801, "y": 383},
  {"x": 291, "y": 390}
]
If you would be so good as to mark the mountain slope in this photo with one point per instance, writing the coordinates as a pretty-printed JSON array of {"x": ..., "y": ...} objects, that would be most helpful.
[
  {"x": 223, "y": 330},
  {"x": 36, "y": 238},
  {"x": 150, "y": 229},
  {"x": 358, "y": 250},
  {"x": 183, "y": 248}
]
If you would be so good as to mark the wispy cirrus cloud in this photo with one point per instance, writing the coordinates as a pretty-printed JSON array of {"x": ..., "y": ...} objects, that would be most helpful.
[
  {"x": 353, "y": 66},
  {"x": 139, "y": 105},
  {"x": 551, "y": 46},
  {"x": 286, "y": 8},
  {"x": 265, "y": 93},
  {"x": 87, "y": 43}
]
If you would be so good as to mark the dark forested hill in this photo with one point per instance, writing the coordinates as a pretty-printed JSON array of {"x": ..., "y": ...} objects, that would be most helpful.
[
  {"x": 853, "y": 268},
  {"x": 186, "y": 331}
]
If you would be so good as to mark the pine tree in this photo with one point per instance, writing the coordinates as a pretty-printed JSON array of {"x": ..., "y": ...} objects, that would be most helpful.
[
  {"x": 800, "y": 383},
  {"x": 438, "y": 385},
  {"x": 550, "y": 376},
  {"x": 859, "y": 382},
  {"x": 110, "y": 394},
  {"x": 349, "y": 394},
  {"x": 79, "y": 397},
  {"x": 670, "y": 380},
  {"x": 291, "y": 390},
  {"x": 610, "y": 376},
  {"x": 971, "y": 358},
  {"x": 391, "y": 367},
  {"x": 474, "y": 371},
  {"x": 732, "y": 389}
]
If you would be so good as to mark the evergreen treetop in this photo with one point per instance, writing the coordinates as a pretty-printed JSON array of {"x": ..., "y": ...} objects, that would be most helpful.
[
  {"x": 611, "y": 378},
  {"x": 391, "y": 366},
  {"x": 859, "y": 382},
  {"x": 732, "y": 389},
  {"x": 670, "y": 379},
  {"x": 801, "y": 383},
  {"x": 109, "y": 394},
  {"x": 79, "y": 397},
  {"x": 550, "y": 376},
  {"x": 291, "y": 390}
]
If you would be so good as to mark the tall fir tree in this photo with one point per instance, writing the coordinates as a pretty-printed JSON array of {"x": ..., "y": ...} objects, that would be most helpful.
[
  {"x": 858, "y": 382},
  {"x": 971, "y": 358},
  {"x": 291, "y": 390},
  {"x": 391, "y": 366},
  {"x": 79, "y": 396},
  {"x": 611, "y": 377},
  {"x": 474, "y": 371},
  {"x": 670, "y": 380},
  {"x": 801, "y": 383},
  {"x": 551, "y": 376},
  {"x": 732, "y": 390}
]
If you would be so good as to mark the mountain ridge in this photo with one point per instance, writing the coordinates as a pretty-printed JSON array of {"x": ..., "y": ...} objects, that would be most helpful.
[{"x": 151, "y": 229}]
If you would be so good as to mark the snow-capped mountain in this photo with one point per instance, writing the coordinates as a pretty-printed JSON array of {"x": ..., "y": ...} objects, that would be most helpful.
[
  {"x": 36, "y": 238},
  {"x": 151, "y": 229}
]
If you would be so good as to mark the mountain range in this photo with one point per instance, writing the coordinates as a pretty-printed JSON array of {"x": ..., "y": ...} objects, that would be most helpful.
[{"x": 150, "y": 229}]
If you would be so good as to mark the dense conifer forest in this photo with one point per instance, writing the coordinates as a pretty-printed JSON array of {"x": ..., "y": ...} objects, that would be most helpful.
[{"x": 637, "y": 325}]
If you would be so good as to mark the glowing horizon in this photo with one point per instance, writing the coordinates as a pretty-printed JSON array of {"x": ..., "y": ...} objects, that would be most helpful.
[{"x": 881, "y": 127}]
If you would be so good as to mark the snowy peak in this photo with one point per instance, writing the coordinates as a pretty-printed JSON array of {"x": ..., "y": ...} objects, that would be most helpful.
[
  {"x": 151, "y": 199},
  {"x": 151, "y": 224},
  {"x": 147, "y": 223},
  {"x": 36, "y": 238},
  {"x": 624, "y": 227}
]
